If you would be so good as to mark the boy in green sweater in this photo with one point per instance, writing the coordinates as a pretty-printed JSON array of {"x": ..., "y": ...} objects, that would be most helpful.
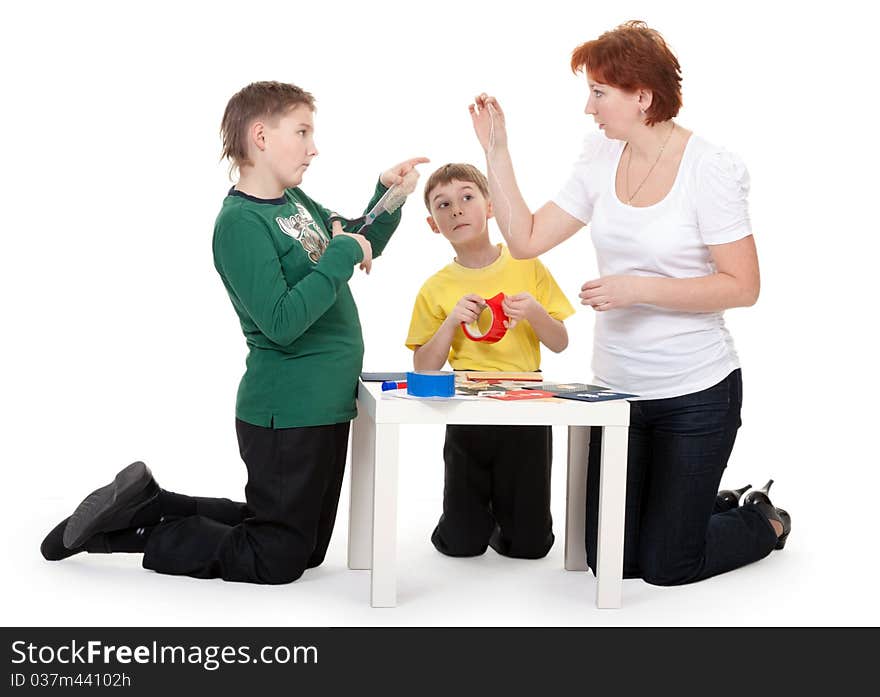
[{"x": 285, "y": 261}]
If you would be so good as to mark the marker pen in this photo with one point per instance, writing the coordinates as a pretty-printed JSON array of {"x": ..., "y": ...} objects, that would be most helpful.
[{"x": 393, "y": 385}]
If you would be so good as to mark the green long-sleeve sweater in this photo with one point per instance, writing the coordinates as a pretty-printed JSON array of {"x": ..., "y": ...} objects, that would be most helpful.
[{"x": 288, "y": 282}]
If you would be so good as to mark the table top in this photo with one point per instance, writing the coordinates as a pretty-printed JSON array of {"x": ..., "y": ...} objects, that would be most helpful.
[{"x": 385, "y": 409}]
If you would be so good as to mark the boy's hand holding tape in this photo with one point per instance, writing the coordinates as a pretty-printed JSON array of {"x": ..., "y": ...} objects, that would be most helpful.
[
  {"x": 519, "y": 307},
  {"x": 466, "y": 310}
]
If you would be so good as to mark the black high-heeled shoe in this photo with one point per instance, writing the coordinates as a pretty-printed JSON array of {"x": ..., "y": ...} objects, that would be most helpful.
[
  {"x": 760, "y": 498},
  {"x": 728, "y": 499},
  {"x": 775, "y": 514},
  {"x": 785, "y": 519},
  {"x": 761, "y": 495}
]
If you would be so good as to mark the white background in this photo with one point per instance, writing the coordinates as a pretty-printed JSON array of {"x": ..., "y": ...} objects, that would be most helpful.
[{"x": 119, "y": 342}]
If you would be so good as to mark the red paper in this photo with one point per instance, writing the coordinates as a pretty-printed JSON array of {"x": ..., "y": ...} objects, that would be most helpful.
[{"x": 523, "y": 394}]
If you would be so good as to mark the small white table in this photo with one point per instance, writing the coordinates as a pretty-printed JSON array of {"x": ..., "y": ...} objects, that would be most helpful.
[{"x": 372, "y": 527}]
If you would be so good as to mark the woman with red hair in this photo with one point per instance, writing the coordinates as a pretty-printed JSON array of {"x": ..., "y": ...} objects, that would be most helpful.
[{"x": 670, "y": 224}]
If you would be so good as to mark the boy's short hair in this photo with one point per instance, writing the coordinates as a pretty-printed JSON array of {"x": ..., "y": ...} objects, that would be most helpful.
[
  {"x": 459, "y": 172},
  {"x": 258, "y": 100}
]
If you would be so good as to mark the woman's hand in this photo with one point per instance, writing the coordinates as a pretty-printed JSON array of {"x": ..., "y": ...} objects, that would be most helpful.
[
  {"x": 488, "y": 121},
  {"x": 395, "y": 174},
  {"x": 612, "y": 292},
  {"x": 366, "y": 247},
  {"x": 521, "y": 306}
]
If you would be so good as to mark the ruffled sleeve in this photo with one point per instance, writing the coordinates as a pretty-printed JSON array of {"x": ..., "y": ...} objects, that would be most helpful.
[
  {"x": 578, "y": 196},
  {"x": 722, "y": 198}
]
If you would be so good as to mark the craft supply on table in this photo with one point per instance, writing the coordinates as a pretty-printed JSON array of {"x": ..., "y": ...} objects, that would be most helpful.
[
  {"x": 430, "y": 383},
  {"x": 520, "y": 395},
  {"x": 501, "y": 376},
  {"x": 565, "y": 387},
  {"x": 382, "y": 377},
  {"x": 498, "y": 327},
  {"x": 605, "y": 396},
  {"x": 393, "y": 385}
]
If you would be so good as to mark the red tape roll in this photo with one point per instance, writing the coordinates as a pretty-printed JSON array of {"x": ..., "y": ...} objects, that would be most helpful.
[{"x": 497, "y": 330}]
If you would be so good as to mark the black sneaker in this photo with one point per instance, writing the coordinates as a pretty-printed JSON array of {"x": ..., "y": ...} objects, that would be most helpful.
[{"x": 111, "y": 507}]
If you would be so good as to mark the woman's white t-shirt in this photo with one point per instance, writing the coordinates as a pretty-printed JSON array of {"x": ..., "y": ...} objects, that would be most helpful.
[{"x": 644, "y": 349}]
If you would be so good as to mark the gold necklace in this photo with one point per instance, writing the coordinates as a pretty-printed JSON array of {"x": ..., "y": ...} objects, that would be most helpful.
[{"x": 629, "y": 162}]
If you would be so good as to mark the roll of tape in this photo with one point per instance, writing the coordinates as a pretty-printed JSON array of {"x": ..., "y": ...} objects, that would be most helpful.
[
  {"x": 497, "y": 330},
  {"x": 430, "y": 383}
]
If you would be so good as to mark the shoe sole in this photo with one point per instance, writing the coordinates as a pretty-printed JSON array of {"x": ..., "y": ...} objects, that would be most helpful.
[{"x": 111, "y": 507}]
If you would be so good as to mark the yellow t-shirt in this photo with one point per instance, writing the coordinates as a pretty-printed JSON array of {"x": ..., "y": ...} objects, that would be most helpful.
[{"x": 519, "y": 349}]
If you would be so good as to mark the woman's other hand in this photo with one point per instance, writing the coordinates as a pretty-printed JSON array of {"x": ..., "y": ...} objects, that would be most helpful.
[{"x": 611, "y": 292}]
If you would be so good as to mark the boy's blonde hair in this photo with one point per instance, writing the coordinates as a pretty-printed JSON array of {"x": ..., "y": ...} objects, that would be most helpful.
[
  {"x": 258, "y": 100},
  {"x": 459, "y": 172}
]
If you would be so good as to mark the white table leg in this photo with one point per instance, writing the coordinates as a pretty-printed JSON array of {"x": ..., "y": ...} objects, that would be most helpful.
[
  {"x": 575, "y": 498},
  {"x": 383, "y": 592},
  {"x": 612, "y": 500},
  {"x": 360, "y": 517}
]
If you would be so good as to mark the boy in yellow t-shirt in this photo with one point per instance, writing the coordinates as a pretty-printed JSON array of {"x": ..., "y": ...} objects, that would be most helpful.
[{"x": 497, "y": 480}]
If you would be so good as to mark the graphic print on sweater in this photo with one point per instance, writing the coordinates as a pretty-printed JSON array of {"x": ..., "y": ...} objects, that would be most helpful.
[{"x": 302, "y": 227}]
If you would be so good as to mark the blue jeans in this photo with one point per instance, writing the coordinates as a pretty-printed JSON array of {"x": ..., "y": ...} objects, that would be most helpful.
[{"x": 678, "y": 449}]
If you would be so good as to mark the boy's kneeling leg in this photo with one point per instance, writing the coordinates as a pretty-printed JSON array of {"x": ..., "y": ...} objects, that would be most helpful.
[
  {"x": 521, "y": 492},
  {"x": 330, "y": 502},
  {"x": 251, "y": 552},
  {"x": 294, "y": 480},
  {"x": 522, "y": 547},
  {"x": 466, "y": 523},
  {"x": 459, "y": 537}
]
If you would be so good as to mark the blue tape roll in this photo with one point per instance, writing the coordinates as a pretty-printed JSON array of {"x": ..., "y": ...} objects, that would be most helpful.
[{"x": 430, "y": 383}]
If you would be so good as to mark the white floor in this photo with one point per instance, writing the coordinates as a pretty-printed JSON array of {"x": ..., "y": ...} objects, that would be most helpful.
[{"x": 809, "y": 582}]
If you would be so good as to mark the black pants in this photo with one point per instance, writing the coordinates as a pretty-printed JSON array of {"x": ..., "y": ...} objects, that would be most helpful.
[
  {"x": 497, "y": 491},
  {"x": 678, "y": 450},
  {"x": 294, "y": 480}
]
